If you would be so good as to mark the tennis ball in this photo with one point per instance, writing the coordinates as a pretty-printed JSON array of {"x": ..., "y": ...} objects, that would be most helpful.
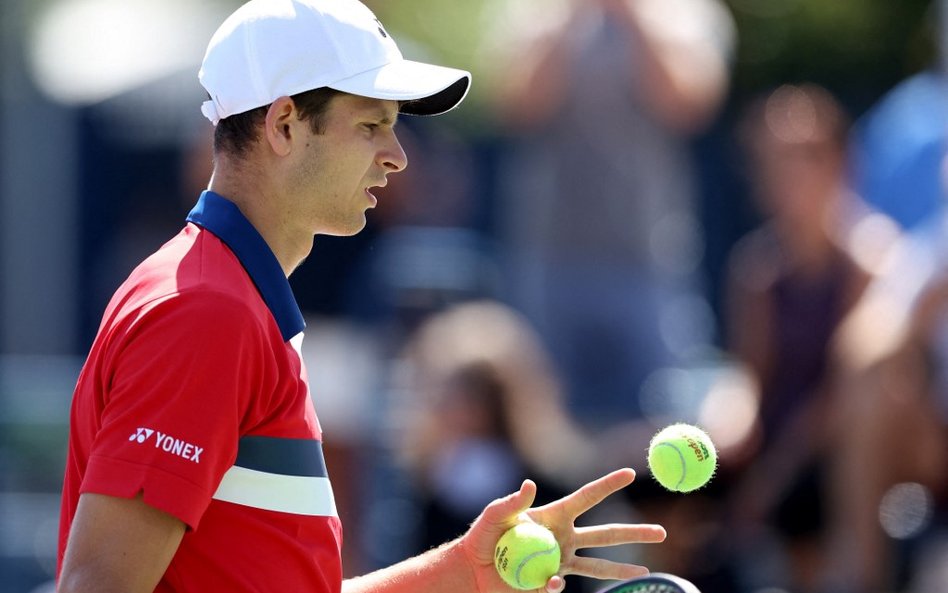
[
  {"x": 682, "y": 457},
  {"x": 527, "y": 555}
]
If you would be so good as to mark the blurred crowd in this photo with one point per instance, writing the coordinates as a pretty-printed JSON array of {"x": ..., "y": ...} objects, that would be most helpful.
[{"x": 532, "y": 298}]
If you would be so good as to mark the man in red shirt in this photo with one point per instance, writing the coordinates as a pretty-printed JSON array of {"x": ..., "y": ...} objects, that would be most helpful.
[{"x": 195, "y": 454}]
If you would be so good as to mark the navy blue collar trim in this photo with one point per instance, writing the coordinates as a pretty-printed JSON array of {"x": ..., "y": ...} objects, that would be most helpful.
[{"x": 223, "y": 218}]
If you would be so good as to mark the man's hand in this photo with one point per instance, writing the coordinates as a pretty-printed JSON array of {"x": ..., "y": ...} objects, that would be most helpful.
[{"x": 559, "y": 517}]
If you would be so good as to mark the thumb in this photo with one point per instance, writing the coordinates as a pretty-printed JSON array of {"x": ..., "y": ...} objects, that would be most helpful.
[
  {"x": 556, "y": 584},
  {"x": 504, "y": 511},
  {"x": 499, "y": 516}
]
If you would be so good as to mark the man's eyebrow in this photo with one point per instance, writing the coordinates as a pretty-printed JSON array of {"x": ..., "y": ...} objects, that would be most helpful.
[
  {"x": 387, "y": 118},
  {"x": 384, "y": 115}
]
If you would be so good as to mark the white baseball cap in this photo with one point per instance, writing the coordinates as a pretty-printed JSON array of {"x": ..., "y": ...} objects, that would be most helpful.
[{"x": 273, "y": 48}]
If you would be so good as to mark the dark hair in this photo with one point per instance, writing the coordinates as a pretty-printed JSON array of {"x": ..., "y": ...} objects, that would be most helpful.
[{"x": 234, "y": 135}]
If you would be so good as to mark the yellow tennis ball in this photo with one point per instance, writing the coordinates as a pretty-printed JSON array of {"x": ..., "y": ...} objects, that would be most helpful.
[
  {"x": 682, "y": 457},
  {"x": 527, "y": 555}
]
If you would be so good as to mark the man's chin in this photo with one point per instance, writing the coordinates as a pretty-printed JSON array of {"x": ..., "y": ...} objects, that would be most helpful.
[{"x": 346, "y": 231}]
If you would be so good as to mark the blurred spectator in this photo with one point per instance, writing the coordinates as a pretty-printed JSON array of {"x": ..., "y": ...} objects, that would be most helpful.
[
  {"x": 888, "y": 472},
  {"x": 898, "y": 147},
  {"x": 480, "y": 410},
  {"x": 600, "y": 99},
  {"x": 790, "y": 283}
]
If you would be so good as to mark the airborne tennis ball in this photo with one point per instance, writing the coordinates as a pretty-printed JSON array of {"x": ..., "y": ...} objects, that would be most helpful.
[
  {"x": 527, "y": 555},
  {"x": 682, "y": 457}
]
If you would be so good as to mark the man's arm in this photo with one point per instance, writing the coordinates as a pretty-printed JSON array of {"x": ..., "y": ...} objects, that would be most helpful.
[
  {"x": 466, "y": 565},
  {"x": 119, "y": 545}
]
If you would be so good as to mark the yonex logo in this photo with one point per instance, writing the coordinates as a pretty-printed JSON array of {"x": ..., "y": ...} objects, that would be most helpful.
[
  {"x": 168, "y": 444},
  {"x": 141, "y": 435}
]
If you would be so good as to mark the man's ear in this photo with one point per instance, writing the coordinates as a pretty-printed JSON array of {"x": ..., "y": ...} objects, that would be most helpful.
[{"x": 279, "y": 125}]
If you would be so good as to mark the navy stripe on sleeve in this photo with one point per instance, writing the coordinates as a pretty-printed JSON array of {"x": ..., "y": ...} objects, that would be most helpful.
[{"x": 290, "y": 457}]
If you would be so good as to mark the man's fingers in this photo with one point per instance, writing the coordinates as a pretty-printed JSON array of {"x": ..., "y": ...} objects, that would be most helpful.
[
  {"x": 595, "y": 492},
  {"x": 618, "y": 534},
  {"x": 599, "y": 568},
  {"x": 504, "y": 511}
]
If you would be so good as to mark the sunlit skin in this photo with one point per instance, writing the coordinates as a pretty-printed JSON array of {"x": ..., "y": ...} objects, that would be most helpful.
[
  {"x": 304, "y": 183},
  {"x": 336, "y": 170}
]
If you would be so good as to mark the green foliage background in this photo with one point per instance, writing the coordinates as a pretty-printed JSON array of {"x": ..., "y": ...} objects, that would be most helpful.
[{"x": 856, "y": 48}]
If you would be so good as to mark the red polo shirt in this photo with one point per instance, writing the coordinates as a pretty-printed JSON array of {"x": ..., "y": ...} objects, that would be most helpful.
[{"x": 194, "y": 394}]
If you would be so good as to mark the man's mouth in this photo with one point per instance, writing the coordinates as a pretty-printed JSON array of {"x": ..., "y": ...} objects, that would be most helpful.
[{"x": 371, "y": 196}]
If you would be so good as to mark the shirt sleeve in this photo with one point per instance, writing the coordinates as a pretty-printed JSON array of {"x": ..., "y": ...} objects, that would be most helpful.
[{"x": 177, "y": 381}]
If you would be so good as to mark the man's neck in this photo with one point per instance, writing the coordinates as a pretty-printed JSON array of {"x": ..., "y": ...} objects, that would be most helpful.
[{"x": 260, "y": 205}]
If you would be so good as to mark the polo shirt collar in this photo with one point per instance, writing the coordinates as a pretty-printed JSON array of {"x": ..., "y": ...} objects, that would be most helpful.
[{"x": 223, "y": 218}]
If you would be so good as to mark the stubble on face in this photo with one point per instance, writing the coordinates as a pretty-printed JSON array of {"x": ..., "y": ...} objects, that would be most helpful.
[{"x": 337, "y": 165}]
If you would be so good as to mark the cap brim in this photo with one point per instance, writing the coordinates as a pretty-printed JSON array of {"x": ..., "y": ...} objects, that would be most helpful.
[{"x": 425, "y": 89}]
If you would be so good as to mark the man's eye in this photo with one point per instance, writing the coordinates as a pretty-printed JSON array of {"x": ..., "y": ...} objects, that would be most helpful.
[{"x": 371, "y": 127}]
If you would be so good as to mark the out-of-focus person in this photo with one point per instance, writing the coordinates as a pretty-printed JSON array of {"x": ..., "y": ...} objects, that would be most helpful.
[
  {"x": 888, "y": 477},
  {"x": 789, "y": 284},
  {"x": 600, "y": 100},
  {"x": 897, "y": 149},
  {"x": 483, "y": 409}
]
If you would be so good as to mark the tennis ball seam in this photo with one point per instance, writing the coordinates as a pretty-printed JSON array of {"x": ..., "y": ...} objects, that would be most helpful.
[
  {"x": 526, "y": 559},
  {"x": 684, "y": 465}
]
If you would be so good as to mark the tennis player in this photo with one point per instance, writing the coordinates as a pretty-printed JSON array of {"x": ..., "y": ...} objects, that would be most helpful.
[{"x": 195, "y": 454}]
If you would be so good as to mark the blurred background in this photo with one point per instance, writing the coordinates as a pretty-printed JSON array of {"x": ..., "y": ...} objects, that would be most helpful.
[{"x": 726, "y": 212}]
